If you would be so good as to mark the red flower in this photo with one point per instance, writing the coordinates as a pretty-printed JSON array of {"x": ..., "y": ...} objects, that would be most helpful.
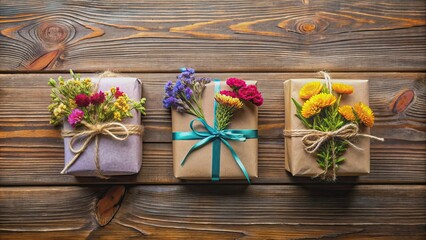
[
  {"x": 97, "y": 98},
  {"x": 235, "y": 83},
  {"x": 118, "y": 93},
  {"x": 250, "y": 93},
  {"x": 229, "y": 93},
  {"x": 258, "y": 101},
  {"x": 82, "y": 100}
]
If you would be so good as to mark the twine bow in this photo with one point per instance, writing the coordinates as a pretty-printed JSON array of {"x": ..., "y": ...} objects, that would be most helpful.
[
  {"x": 117, "y": 131},
  {"x": 313, "y": 139}
]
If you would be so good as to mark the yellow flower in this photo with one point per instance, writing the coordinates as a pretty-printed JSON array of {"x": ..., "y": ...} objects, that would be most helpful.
[
  {"x": 229, "y": 101},
  {"x": 72, "y": 103},
  {"x": 117, "y": 116},
  {"x": 310, "y": 109},
  {"x": 347, "y": 112},
  {"x": 365, "y": 114},
  {"x": 113, "y": 90},
  {"x": 324, "y": 99},
  {"x": 59, "y": 110},
  {"x": 122, "y": 104},
  {"x": 310, "y": 89},
  {"x": 342, "y": 88},
  {"x": 87, "y": 80},
  {"x": 314, "y": 105}
]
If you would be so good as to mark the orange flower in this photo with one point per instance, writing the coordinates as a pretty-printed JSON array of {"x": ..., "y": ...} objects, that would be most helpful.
[
  {"x": 229, "y": 101},
  {"x": 365, "y": 114},
  {"x": 314, "y": 105},
  {"x": 342, "y": 88},
  {"x": 347, "y": 112},
  {"x": 309, "y": 90},
  {"x": 324, "y": 99}
]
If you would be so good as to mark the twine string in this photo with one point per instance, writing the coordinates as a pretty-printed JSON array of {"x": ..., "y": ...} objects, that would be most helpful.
[
  {"x": 327, "y": 79},
  {"x": 117, "y": 131},
  {"x": 313, "y": 139}
]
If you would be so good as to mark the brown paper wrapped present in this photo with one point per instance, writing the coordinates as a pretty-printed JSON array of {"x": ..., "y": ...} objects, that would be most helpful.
[
  {"x": 301, "y": 163},
  {"x": 198, "y": 164},
  {"x": 115, "y": 157}
]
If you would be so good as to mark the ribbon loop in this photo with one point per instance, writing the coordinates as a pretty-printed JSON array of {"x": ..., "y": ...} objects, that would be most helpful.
[{"x": 213, "y": 134}]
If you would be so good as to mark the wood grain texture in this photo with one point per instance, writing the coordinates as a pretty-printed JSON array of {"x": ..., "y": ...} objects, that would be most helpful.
[
  {"x": 218, "y": 212},
  {"x": 31, "y": 151},
  {"x": 242, "y": 35}
]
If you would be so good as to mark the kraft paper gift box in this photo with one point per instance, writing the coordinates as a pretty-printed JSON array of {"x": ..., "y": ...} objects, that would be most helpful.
[
  {"x": 115, "y": 157},
  {"x": 301, "y": 163},
  {"x": 198, "y": 164}
]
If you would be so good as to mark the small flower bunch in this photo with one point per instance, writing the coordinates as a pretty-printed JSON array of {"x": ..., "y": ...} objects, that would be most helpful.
[
  {"x": 322, "y": 111},
  {"x": 229, "y": 101},
  {"x": 77, "y": 100},
  {"x": 185, "y": 96}
]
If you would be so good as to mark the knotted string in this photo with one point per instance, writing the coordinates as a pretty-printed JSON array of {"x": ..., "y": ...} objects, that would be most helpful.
[
  {"x": 327, "y": 79},
  {"x": 117, "y": 131},
  {"x": 313, "y": 139}
]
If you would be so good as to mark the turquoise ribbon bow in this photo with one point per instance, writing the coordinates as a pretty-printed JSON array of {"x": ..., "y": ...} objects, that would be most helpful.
[{"x": 216, "y": 137}]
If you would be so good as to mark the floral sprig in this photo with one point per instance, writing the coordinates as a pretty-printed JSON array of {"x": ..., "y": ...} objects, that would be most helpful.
[
  {"x": 77, "y": 100},
  {"x": 322, "y": 111},
  {"x": 230, "y": 101},
  {"x": 185, "y": 96}
]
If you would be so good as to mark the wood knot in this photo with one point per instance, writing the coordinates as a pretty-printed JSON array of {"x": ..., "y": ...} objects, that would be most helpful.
[
  {"x": 52, "y": 32},
  {"x": 402, "y": 101},
  {"x": 108, "y": 205},
  {"x": 306, "y": 26}
]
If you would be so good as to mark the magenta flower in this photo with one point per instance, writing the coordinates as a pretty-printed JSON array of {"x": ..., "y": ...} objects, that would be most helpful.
[
  {"x": 229, "y": 93},
  {"x": 258, "y": 101},
  {"x": 235, "y": 83},
  {"x": 251, "y": 94},
  {"x": 118, "y": 93},
  {"x": 97, "y": 98},
  {"x": 75, "y": 117},
  {"x": 82, "y": 100}
]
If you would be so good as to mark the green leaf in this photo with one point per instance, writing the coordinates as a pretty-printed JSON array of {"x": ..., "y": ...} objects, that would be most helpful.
[
  {"x": 340, "y": 159},
  {"x": 298, "y": 106}
]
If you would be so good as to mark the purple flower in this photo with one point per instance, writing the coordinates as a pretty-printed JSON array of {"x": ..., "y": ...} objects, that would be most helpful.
[
  {"x": 168, "y": 88},
  {"x": 169, "y": 102},
  {"x": 188, "y": 93},
  {"x": 178, "y": 87},
  {"x": 75, "y": 117},
  {"x": 187, "y": 70}
]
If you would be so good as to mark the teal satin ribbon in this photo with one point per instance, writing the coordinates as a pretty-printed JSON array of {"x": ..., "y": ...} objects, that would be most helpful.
[{"x": 216, "y": 137}]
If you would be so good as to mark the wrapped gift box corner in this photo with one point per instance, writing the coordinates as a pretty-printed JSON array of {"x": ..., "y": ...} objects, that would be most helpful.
[
  {"x": 115, "y": 157},
  {"x": 300, "y": 163},
  {"x": 198, "y": 165}
]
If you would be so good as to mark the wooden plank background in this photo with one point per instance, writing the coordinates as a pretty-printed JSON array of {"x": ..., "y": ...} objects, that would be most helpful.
[{"x": 267, "y": 41}]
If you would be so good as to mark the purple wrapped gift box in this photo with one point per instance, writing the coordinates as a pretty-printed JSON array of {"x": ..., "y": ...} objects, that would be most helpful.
[{"x": 115, "y": 157}]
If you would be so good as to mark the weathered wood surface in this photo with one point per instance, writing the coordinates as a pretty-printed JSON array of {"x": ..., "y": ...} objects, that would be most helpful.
[
  {"x": 287, "y": 35},
  {"x": 268, "y": 41},
  {"x": 218, "y": 212},
  {"x": 31, "y": 150}
]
